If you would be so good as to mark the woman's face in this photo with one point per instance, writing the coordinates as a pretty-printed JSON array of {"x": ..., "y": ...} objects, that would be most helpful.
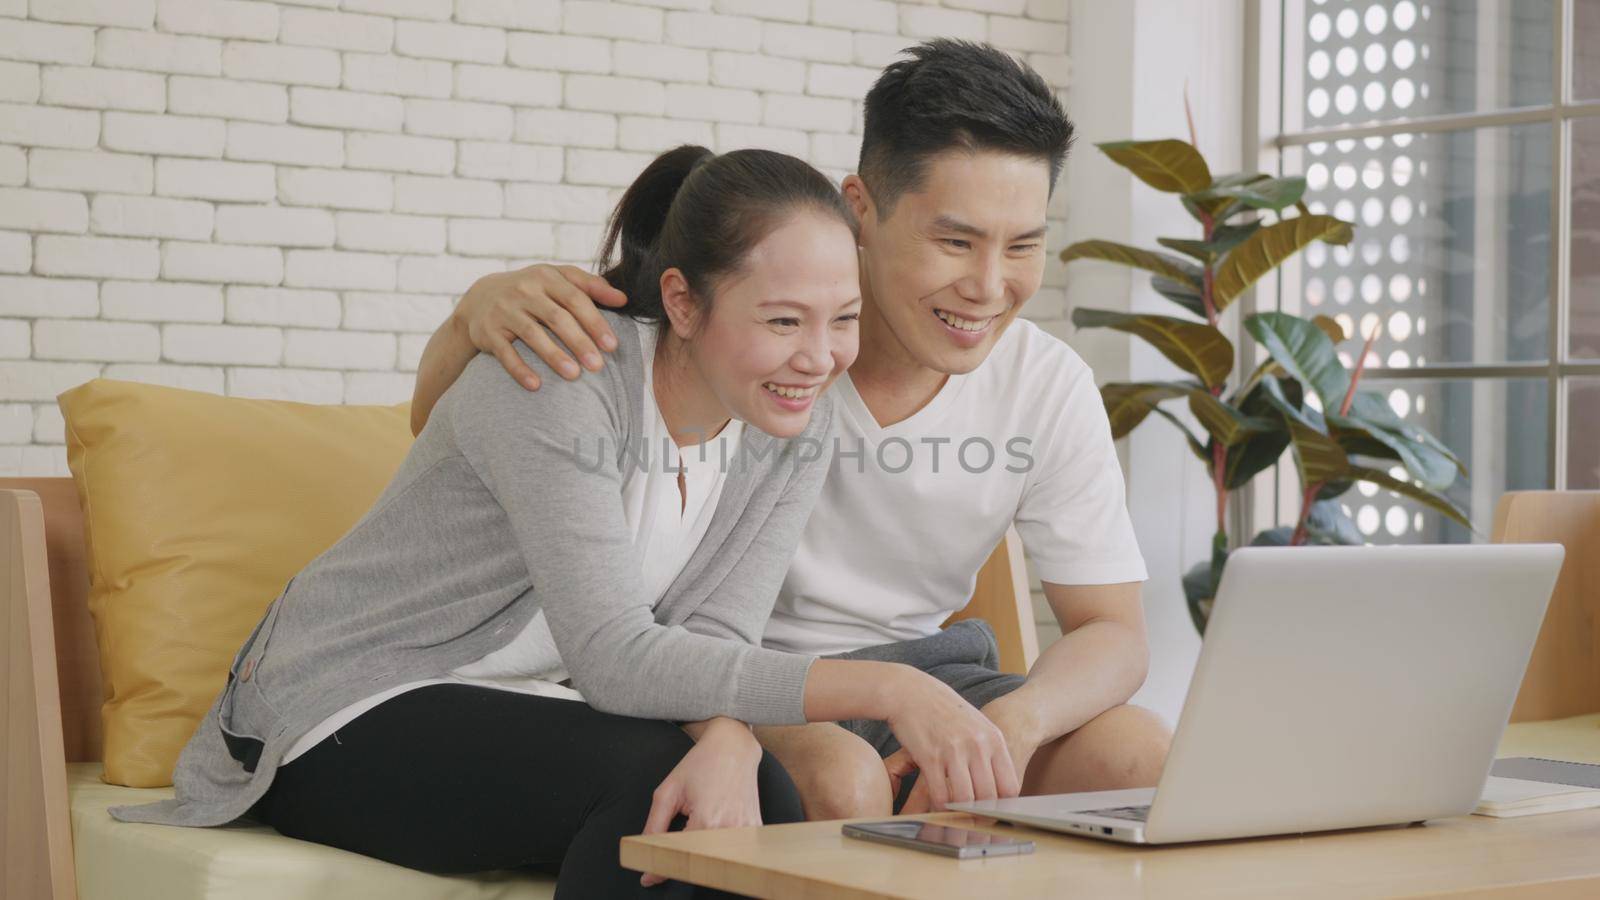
[{"x": 783, "y": 327}]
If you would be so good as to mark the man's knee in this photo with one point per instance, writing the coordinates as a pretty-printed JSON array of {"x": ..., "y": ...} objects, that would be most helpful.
[
  {"x": 1139, "y": 739},
  {"x": 1124, "y": 747},
  {"x": 839, "y": 775},
  {"x": 854, "y": 783}
]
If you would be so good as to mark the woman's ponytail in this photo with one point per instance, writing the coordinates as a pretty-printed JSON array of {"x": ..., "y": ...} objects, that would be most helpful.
[
  {"x": 634, "y": 230},
  {"x": 701, "y": 213}
]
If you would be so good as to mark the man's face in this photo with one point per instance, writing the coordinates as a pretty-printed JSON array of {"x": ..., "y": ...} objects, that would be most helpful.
[{"x": 957, "y": 257}]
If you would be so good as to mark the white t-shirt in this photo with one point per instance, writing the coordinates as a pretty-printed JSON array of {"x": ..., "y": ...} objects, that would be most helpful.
[
  {"x": 668, "y": 524},
  {"x": 896, "y": 540}
]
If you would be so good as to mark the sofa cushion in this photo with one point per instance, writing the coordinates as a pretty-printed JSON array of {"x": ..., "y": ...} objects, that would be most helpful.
[
  {"x": 197, "y": 511},
  {"x": 244, "y": 860}
]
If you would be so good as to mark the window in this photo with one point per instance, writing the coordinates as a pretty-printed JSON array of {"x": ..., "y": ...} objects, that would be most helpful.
[{"x": 1462, "y": 137}]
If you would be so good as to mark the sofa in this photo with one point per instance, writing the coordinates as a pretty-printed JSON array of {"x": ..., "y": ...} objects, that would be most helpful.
[
  {"x": 59, "y": 842},
  {"x": 62, "y": 664}
]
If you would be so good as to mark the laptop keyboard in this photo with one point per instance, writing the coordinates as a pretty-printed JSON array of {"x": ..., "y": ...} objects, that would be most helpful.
[{"x": 1132, "y": 813}]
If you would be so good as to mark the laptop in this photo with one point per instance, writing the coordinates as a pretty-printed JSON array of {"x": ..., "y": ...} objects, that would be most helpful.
[{"x": 1338, "y": 687}]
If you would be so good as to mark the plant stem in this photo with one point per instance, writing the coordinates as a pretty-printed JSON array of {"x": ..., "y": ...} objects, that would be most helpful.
[
  {"x": 1306, "y": 499},
  {"x": 1361, "y": 365}
]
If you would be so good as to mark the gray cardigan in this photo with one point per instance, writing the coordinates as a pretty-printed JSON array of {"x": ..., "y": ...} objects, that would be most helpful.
[{"x": 490, "y": 519}]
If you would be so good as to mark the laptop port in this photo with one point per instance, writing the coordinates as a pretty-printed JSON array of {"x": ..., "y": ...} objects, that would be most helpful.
[{"x": 1106, "y": 830}]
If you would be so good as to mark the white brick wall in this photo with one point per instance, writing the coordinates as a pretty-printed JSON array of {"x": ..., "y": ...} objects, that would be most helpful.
[{"x": 284, "y": 199}]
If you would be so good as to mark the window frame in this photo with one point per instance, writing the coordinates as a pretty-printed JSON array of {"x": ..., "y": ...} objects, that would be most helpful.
[{"x": 1273, "y": 36}]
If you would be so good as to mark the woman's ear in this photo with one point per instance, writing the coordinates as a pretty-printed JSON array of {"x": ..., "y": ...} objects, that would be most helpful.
[{"x": 683, "y": 313}]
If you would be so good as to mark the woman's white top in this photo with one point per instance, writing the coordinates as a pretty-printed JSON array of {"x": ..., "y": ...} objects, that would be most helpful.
[{"x": 668, "y": 524}]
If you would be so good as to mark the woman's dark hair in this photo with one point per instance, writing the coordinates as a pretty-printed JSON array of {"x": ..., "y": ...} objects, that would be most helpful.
[
  {"x": 702, "y": 213},
  {"x": 955, "y": 95}
]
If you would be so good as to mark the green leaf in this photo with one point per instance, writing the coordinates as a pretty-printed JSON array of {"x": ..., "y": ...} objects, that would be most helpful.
[
  {"x": 1262, "y": 251},
  {"x": 1223, "y": 239},
  {"x": 1180, "y": 293},
  {"x": 1433, "y": 469},
  {"x": 1318, "y": 457},
  {"x": 1223, "y": 422},
  {"x": 1216, "y": 206},
  {"x": 1304, "y": 351},
  {"x": 1330, "y": 327},
  {"x": 1274, "y": 537},
  {"x": 1159, "y": 263},
  {"x": 1213, "y": 210},
  {"x": 1263, "y": 193},
  {"x": 1200, "y": 582},
  {"x": 1228, "y": 237},
  {"x": 1127, "y": 403},
  {"x": 1416, "y": 492},
  {"x": 1238, "y": 178},
  {"x": 1328, "y": 524},
  {"x": 1194, "y": 347},
  {"x": 1333, "y": 489},
  {"x": 1171, "y": 165},
  {"x": 1261, "y": 451},
  {"x": 1199, "y": 250},
  {"x": 1373, "y": 408}
]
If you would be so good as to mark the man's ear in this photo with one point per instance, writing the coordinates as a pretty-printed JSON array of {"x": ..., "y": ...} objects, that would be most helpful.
[
  {"x": 682, "y": 311},
  {"x": 860, "y": 200}
]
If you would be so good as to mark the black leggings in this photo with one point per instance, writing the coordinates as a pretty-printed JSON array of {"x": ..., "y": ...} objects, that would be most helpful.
[{"x": 453, "y": 779}]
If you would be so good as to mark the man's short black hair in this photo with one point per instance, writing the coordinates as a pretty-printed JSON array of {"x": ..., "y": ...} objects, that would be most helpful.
[{"x": 956, "y": 95}]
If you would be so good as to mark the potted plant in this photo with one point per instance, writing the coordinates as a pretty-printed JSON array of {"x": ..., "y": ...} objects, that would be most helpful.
[{"x": 1301, "y": 397}]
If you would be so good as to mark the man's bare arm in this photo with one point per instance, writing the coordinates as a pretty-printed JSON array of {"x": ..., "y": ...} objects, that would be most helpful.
[
  {"x": 443, "y": 360},
  {"x": 521, "y": 305},
  {"x": 1101, "y": 659}
]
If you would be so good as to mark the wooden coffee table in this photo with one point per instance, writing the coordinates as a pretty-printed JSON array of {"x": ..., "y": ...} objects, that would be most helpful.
[{"x": 1556, "y": 855}]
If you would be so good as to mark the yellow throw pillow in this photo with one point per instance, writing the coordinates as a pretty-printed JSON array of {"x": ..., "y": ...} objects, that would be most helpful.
[{"x": 197, "y": 510}]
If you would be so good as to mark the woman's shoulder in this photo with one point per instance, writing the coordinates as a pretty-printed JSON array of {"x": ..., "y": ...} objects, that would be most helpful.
[
  {"x": 622, "y": 324},
  {"x": 485, "y": 389}
]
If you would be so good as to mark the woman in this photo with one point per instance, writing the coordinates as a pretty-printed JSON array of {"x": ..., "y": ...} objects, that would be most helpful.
[{"x": 489, "y": 669}]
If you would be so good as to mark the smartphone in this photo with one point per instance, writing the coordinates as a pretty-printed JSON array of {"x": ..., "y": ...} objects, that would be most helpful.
[{"x": 962, "y": 843}]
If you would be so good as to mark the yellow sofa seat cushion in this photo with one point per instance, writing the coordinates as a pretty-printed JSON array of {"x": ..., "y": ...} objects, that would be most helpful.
[
  {"x": 197, "y": 510},
  {"x": 244, "y": 860}
]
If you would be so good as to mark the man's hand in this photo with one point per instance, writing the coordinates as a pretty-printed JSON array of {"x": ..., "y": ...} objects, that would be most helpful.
[
  {"x": 1015, "y": 721},
  {"x": 714, "y": 785},
  {"x": 508, "y": 306},
  {"x": 960, "y": 753}
]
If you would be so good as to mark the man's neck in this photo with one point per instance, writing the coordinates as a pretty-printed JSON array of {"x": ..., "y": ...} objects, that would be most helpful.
[{"x": 892, "y": 384}]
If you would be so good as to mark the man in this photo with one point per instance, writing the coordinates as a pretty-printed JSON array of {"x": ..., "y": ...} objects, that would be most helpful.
[{"x": 957, "y": 420}]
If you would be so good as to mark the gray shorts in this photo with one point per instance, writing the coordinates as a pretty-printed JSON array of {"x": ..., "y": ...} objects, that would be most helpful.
[{"x": 964, "y": 656}]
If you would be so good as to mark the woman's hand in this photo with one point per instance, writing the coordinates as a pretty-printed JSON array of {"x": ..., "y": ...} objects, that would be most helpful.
[
  {"x": 714, "y": 785},
  {"x": 960, "y": 753},
  {"x": 528, "y": 305}
]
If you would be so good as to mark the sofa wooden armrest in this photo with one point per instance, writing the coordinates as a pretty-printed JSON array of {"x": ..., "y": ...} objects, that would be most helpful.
[
  {"x": 1001, "y": 597},
  {"x": 51, "y": 676},
  {"x": 1563, "y": 678}
]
